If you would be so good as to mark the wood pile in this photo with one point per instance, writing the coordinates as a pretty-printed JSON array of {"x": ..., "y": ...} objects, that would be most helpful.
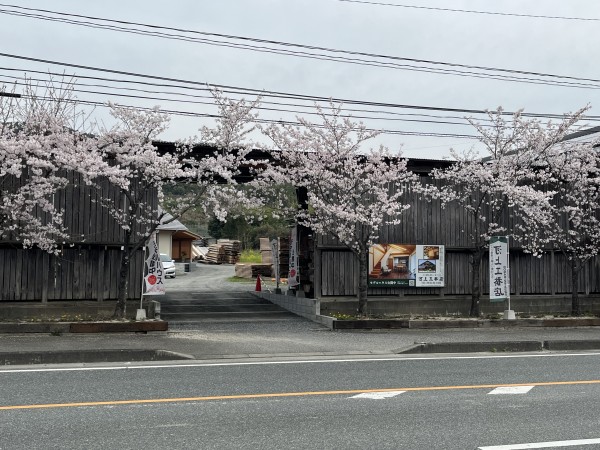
[
  {"x": 232, "y": 250},
  {"x": 266, "y": 255},
  {"x": 253, "y": 270},
  {"x": 284, "y": 256},
  {"x": 216, "y": 254},
  {"x": 265, "y": 251}
]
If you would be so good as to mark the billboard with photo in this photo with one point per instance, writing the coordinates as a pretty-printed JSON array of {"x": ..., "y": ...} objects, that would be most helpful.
[{"x": 392, "y": 265}]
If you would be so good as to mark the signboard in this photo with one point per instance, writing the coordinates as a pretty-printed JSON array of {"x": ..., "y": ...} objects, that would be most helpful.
[
  {"x": 393, "y": 265},
  {"x": 499, "y": 269},
  {"x": 154, "y": 277},
  {"x": 293, "y": 274}
]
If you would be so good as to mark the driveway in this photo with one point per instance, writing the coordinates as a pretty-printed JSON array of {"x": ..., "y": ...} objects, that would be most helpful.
[{"x": 206, "y": 295}]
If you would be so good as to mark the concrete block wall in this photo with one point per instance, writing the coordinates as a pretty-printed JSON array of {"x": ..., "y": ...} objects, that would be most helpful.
[
  {"x": 532, "y": 305},
  {"x": 304, "y": 307}
]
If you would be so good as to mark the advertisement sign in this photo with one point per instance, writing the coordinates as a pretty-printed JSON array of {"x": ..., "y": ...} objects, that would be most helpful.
[
  {"x": 499, "y": 269},
  {"x": 154, "y": 277},
  {"x": 393, "y": 265},
  {"x": 293, "y": 274}
]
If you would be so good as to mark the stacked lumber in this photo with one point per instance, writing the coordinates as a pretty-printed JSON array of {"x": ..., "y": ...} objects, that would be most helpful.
[
  {"x": 265, "y": 251},
  {"x": 215, "y": 254},
  {"x": 232, "y": 250},
  {"x": 252, "y": 270},
  {"x": 284, "y": 256}
]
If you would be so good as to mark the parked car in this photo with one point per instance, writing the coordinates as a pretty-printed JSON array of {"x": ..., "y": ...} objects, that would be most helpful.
[{"x": 168, "y": 265}]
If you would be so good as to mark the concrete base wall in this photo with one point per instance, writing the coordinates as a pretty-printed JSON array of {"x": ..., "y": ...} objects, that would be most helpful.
[
  {"x": 62, "y": 310},
  {"x": 458, "y": 305},
  {"x": 305, "y": 307}
]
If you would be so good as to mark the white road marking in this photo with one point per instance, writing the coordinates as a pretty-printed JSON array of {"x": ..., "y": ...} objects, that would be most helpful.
[
  {"x": 378, "y": 395},
  {"x": 553, "y": 444},
  {"x": 511, "y": 390},
  {"x": 198, "y": 363}
]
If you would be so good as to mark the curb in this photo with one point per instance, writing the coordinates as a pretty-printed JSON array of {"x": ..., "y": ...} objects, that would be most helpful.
[
  {"x": 499, "y": 346},
  {"x": 88, "y": 356},
  {"x": 83, "y": 327},
  {"x": 373, "y": 324}
]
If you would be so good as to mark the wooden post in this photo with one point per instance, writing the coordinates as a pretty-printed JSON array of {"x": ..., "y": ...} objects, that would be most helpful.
[{"x": 45, "y": 276}]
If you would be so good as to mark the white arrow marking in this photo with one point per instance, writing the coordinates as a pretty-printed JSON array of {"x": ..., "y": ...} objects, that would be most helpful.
[
  {"x": 511, "y": 390},
  {"x": 378, "y": 395},
  {"x": 542, "y": 445}
]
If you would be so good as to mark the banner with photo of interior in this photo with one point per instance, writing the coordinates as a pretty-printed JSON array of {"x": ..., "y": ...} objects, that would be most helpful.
[{"x": 392, "y": 265}]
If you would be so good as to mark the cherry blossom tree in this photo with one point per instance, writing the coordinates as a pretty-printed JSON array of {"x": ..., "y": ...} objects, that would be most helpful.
[
  {"x": 571, "y": 170},
  {"x": 129, "y": 145},
  {"x": 351, "y": 192},
  {"x": 43, "y": 138},
  {"x": 497, "y": 189}
]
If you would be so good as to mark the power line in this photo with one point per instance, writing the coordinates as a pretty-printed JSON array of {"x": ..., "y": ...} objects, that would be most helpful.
[
  {"x": 430, "y": 119},
  {"x": 238, "y": 93},
  {"x": 211, "y": 103},
  {"x": 274, "y": 94},
  {"x": 472, "y": 11},
  {"x": 514, "y": 75},
  {"x": 267, "y": 121}
]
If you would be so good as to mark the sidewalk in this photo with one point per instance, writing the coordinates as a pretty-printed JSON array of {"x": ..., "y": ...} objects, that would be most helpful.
[{"x": 296, "y": 337}]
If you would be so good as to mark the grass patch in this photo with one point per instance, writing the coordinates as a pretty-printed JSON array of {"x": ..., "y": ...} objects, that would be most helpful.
[
  {"x": 250, "y": 256},
  {"x": 241, "y": 280}
]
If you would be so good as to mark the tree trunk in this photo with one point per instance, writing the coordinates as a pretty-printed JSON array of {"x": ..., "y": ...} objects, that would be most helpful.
[
  {"x": 363, "y": 268},
  {"x": 120, "y": 308},
  {"x": 476, "y": 283},
  {"x": 575, "y": 306}
]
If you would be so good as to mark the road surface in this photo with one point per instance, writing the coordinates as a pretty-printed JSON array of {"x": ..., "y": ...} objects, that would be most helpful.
[{"x": 491, "y": 402}]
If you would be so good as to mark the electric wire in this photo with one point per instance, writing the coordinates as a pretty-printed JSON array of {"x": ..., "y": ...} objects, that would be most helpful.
[
  {"x": 259, "y": 120},
  {"x": 576, "y": 82},
  {"x": 472, "y": 11},
  {"x": 274, "y": 94}
]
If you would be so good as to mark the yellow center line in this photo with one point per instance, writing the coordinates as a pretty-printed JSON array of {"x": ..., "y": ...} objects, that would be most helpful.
[{"x": 289, "y": 394}]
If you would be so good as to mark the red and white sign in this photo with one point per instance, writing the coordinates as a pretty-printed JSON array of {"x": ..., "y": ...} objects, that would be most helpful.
[
  {"x": 293, "y": 277},
  {"x": 154, "y": 272}
]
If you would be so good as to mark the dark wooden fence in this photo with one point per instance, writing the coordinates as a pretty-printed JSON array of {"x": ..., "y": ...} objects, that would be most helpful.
[
  {"x": 549, "y": 275},
  {"x": 82, "y": 272},
  {"x": 87, "y": 265},
  {"x": 426, "y": 222}
]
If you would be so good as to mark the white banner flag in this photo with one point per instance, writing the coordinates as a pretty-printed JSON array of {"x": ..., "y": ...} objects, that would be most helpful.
[
  {"x": 499, "y": 269},
  {"x": 154, "y": 278}
]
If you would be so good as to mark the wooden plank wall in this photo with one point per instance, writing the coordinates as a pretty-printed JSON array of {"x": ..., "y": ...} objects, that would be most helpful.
[
  {"x": 87, "y": 266},
  {"x": 529, "y": 275},
  {"x": 78, "y": 273},
  {"x": 427, "y": 223}
]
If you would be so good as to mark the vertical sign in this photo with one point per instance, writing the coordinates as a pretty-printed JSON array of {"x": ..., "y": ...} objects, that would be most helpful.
[
  {"x": 293, "y": 275},
  {"x": 429, "y": 261},
  {"x": 499, "y": 270},
  {"x": 154, "y": 278},
  {"x": 275, "y": 253}
]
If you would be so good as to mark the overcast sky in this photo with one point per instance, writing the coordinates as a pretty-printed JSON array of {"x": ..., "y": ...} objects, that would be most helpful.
[{"x": 542, "y": 45}]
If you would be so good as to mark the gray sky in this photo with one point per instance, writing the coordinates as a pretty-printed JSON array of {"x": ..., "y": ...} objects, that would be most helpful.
[{"x": 552, "y": 46}]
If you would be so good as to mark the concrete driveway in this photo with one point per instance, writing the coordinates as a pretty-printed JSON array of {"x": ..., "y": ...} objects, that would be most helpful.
[{"x": 206, "y": 295}]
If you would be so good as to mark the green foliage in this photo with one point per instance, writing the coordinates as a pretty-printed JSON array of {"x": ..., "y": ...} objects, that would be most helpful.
[
  {"x": 342, "y": 316},
  {"x": 250, "y": 256},
  {"x": 244, "y": 224}
]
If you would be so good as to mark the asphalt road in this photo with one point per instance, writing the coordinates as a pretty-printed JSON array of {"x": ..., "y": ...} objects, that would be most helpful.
[{"x": 383, "y": 403}]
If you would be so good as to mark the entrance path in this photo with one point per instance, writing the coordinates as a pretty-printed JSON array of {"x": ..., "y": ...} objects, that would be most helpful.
[{"x": 206, "y": 295}]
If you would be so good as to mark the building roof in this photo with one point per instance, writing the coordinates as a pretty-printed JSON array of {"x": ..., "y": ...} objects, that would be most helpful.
[{"x": 167, "y": 223}]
